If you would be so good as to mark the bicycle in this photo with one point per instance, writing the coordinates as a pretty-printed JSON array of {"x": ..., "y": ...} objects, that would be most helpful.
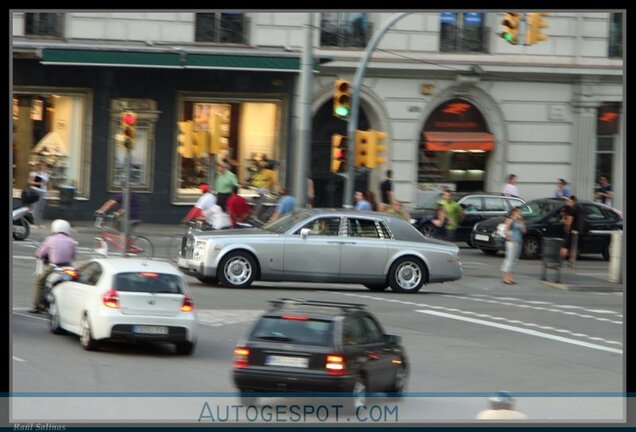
[{"x": 138, "y": 246}]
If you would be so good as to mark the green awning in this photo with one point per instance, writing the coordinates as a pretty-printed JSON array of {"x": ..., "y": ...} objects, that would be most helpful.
[
  {"x": 169, "y": 60},
  {"x": 234, "y": 62},
  {"x": 111, "y": 58}
]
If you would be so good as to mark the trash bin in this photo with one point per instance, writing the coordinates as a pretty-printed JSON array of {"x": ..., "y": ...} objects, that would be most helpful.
[
  {"x": 67, "y": 195},
  {"x": 551, "y": 252}
]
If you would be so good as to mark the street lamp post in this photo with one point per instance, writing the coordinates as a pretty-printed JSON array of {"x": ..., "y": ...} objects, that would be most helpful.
[{"x": 355, "y": 103}]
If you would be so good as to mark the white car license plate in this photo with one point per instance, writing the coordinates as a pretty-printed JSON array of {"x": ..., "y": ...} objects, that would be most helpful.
[
  {"x": 482, "y": 237},
  {"x": 182, "y": 262},
  {"x": 158, "y": 330},
  {"x": 275, "y": 360}
]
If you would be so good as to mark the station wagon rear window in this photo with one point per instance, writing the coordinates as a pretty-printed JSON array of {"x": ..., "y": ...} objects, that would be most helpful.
[
  {"x": 293, "y": 329},
  {"x": 148, "y": 282}
]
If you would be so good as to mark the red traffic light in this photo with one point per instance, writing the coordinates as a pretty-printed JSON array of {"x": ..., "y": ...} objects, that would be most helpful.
[{"x": 129, "y": 118}]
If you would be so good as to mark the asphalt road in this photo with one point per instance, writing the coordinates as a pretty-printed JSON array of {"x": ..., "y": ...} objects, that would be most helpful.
[{"x": 560, "y": 352}]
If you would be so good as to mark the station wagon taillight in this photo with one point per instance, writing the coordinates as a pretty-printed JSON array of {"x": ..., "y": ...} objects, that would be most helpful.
[
  {"x": 111, "y": 299},
  {"x": 241, "y": 356},
  {"x": 188, "y": 304},
  {"x": 335, "y": 364}
]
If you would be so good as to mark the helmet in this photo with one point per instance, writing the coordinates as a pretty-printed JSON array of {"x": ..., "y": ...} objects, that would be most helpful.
[
  {"x": 61, "y": 226},
  {"x": 501, "y": 400}
]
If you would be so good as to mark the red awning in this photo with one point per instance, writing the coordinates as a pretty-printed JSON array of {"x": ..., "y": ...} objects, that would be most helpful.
[{"x": 447, "y": 141}]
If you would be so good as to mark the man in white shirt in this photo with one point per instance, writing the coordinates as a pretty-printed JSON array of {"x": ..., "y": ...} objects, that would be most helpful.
[
  {"x": 206, "y": 201},
  {"x": 217, "y": 218},
  {"x": 509, "y": 187}
]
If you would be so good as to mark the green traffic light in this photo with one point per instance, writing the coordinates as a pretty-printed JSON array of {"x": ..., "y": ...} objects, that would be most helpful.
[
  {"x": 508, "y": 37},
  {"x": 342, "y": 111}
]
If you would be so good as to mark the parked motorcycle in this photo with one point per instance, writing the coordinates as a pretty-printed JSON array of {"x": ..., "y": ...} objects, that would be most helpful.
[{"x": 22, "y": 218}]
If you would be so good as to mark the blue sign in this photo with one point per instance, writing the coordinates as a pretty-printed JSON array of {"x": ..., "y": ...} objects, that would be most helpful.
[
  {"x": 449, "y": 17},
  {"x": 472, "y": 18}
]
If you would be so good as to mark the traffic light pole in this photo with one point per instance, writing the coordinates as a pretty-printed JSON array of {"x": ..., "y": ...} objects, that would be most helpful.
[
  {"x": 126, "y": 202},
  {"x": 355, "y": 103},
  {"x": 301, "y": 159}
]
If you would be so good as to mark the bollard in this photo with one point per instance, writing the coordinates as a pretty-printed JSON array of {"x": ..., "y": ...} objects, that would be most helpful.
[
  {"x": 615, "y": 257},
  {"x": 551, "y": 251}
]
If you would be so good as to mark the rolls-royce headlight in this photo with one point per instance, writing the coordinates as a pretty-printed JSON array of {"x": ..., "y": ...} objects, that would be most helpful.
[{"x": 199, "y": 249}]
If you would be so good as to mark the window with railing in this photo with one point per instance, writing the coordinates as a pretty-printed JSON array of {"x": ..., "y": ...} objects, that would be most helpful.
[
  {"x": 463, "y": 32},
  {"x": 616, "y": 35},
  {"x": 44, "y": 24},
  {"x": 221, "y": 27},
  {"x": 344, "y": 30}
]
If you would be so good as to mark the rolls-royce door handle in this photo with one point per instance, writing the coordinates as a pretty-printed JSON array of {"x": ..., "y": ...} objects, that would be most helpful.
[{"x": 334, "y": 242}]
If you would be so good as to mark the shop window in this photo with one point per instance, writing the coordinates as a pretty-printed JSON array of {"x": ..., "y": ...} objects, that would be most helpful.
[
  {"x": 44, "y": 24},
  {"x": 140, "y": 167},
  {"x": 463, "y": 32},
  {"x": 221, "y": 27},
  {"x": 248, "y": 134},
  {"x": 52, "y": 126},
  {"x": 345, "y": 30},
  {"x": 616, "y": 35}
]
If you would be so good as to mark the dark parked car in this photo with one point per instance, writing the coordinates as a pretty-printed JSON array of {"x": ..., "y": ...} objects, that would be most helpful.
[
  {"x": 543, "y": 219},
  {"x": 317, "y": 346},
  {"x": 478, "y": 206}
]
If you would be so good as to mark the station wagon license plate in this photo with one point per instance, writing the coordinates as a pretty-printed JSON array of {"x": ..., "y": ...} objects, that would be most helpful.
[
  {"x": 275, "y": 360},
  {"x": 482, "y": 237},
  {"x": 157, "y": 330}
]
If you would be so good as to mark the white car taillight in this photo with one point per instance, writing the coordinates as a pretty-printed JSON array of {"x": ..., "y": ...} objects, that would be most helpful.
[
  {"x": 111, "y": 299},
  {"x": 188, "y": 304}
]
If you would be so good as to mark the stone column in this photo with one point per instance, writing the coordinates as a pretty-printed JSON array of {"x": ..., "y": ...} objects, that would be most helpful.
[{"x": 584, "y": 141}]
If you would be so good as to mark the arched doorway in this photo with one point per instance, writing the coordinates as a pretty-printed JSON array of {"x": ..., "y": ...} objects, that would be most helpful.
[
  {"x": 329, "y": 187},
  {"x": 456, "y": 145}
]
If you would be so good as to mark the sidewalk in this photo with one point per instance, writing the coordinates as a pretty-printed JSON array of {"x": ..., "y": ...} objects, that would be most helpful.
[
  {"x": 579, "y": 279},
  {"x": 145, "y": 229}
]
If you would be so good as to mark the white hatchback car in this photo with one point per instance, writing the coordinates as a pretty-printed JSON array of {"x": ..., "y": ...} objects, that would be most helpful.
[{"x": 125, "y": 299}]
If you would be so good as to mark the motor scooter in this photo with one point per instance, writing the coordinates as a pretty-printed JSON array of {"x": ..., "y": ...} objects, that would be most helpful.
[
  {"x": 58, "y": 275},
  {"x": 22, "y": 218}
]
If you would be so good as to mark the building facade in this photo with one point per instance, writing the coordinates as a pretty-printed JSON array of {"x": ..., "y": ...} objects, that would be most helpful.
[{"x": 461, "y": 106}]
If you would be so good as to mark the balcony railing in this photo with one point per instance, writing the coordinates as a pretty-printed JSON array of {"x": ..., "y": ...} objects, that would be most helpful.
[{"x": 44, "y": 24}]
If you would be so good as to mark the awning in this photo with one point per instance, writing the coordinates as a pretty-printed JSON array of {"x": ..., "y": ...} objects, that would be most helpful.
[
  {"x": 448, "y": 141},
  {"x": 111, "y": 58},
  {"x": 170, "y": 60},
  {"x": 239, "y": 62}
]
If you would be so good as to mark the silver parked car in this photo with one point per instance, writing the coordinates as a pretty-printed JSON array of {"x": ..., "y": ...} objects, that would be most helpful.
[{"x": 322, "y": 245}]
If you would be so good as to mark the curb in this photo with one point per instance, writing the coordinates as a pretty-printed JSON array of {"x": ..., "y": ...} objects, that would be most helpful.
[{"x": 602, "y": 287}]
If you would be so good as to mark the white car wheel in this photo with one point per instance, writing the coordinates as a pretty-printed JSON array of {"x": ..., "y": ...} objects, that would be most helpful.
[
  {"x": 54, "y": 319},
  {"x": 86, "y": 335}
]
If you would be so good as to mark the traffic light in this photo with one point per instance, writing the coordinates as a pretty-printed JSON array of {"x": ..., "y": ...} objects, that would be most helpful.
[
  {"x": 186, "y": 147},
  {"x": 220, "y": 130},
  {"x": 369, "y": 148},
  {"x": 510, "y": 27},
  {"x": 361, "y": 148},
  {"x": 535, "y": 24},
  {"x": 339, "y": 154},
  {"x": 342, "y": 99},
  {"x": 128, "y": 125},
  {"x": 375, "y": 155}
]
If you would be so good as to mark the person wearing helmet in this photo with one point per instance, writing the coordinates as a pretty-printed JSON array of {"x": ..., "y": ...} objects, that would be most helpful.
[
  {"x": 501, "y": 408},
  {"x": 57, "y": 249},
  {"x": 205, "y": 203}
]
